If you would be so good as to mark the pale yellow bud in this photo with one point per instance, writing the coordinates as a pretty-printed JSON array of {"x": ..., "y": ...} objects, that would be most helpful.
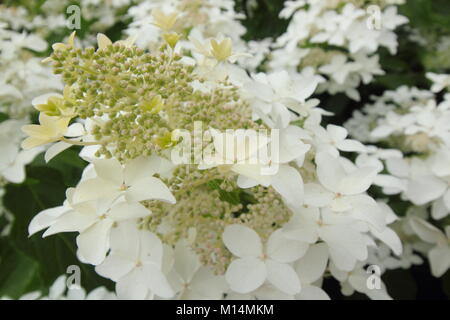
[
  {"x": 171, "y": 39},
  {"x": 154, "y": 105},
  {"x": 164, "y": 21},
  {"x": 221, "y": 50}
]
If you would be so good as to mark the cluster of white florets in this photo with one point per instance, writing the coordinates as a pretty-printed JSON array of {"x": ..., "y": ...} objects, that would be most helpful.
[
  {"x": 417, "y": 123},
  {"x": 338, "y": 39}
]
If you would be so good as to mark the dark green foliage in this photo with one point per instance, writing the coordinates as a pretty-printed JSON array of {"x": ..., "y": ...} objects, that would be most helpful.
[{"x": 34, "y": 263}]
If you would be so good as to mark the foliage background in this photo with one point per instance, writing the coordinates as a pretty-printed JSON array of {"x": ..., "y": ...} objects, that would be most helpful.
[{"x": 28, "y": 264}]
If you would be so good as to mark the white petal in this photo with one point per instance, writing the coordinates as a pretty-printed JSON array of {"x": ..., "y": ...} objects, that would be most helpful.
[
  {"x": 439, "y": 209},
  {"x": 207, "y": 285},
  {"x": 303, "y": 225},
  {"x": 425, "y": 189},
  {"x": 186, "y": 261},
  {"x": 158, "y": 282},
  {"x": 260, "y": 90},
  {"x": 115, "y": 267},
  {"x": 345, "y": 244},
  {"x": 245, "y": 275},
  {"x": 75, "y": 130},
  {"x": 45, "y": 218},
  {"x": 252, "y": 171},
  {"x": 390, "y": 238},
  {"x": 94, "y": 189},
  {"x": 337, "y": 133},
  {"x": 151, "y": 248},
  {"x": 58, "y": 287},
  {"x": 244, "y": 182},
  {"x": 426, "y": 231},
  {"x": 312, "y": 266},
  {"x": 93, "y": 243},
  {"x": 110, "y": 170},
  {"x": 350, "y": 145},
  {"x": 140, "y": 167},
  {"x": 56, "y": 149},
  {"x": 284, "y": 250},
  {"x": 329, "y": 171},
  {"x": 439, "y": 260},
  {"x": 103, "y": 41},
  {"x": 242, "y": 241},
  {"x": 132, "y": 286},
  {"x": 125, "y": 211},
  {"x": 312, "y": 293},
  {"x": 358, "y": 181},
  {"x": 367, "y": 209},
  {"x": 283, "y": 277},
  {"x": 446, "y": 199},
  {"x": 317, "y": 196},
  {"x": 149, "y": 188},
  {"x": 289, "y": 184},
  {"x": 125, "y": 239},
  {"x": 71, "y": 221}
]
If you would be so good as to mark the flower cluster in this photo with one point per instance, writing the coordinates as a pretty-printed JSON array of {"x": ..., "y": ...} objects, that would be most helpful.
[
  {"x": 338, "y": 39},
  {"x": 203, "y": 164},
  {"x": 199, "y": 20},
  {"x": 209, "y": 229},
  {"x": 23, "y": 76},
  {"x": 416, "y": 122}
]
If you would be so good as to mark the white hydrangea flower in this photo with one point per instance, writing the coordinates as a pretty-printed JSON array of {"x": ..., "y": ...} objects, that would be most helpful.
[
  {"x": 439, "y": 255},
  {"x": 136, "y": 263},
  {"x": 256, "y": 264}
]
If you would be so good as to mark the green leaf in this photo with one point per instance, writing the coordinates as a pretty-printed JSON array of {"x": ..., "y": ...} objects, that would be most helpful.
[
  {"x": 230, "y": 197},
  {"x": 18, "y": 273}
]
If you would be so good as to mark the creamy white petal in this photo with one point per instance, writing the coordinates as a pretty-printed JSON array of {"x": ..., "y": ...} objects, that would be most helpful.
[
  {"x": 312, "y": 265},
  {"x": 245, "y": 275},
  {"x": 207, "y": 285},
  {"x": 125, "y": 211},
  {"x": 94, "y": 189},
  {"x": 426, "y": 231},
  {"x": 312, "y": 293},
  {"x": 115, "y": 266},
  {"x": 424, "y": 189},
  {"x": 289, "y": 183},
  {"x": 439, "y": 260},
  {"x": 242, "y": 241},
  {"x": 284, "y": 250},
  {"x": 132, "y": 286},
  {"x": 316, "y": 195},
  {"x": 93, "y": 243},
  {"x": 186, "y": 261},
  {"x": 149, "y": 188},
  {"x": 110, "y": 170},
  {"x": 157, "y": 281},
  {"x": 56, "y": 149},
  {"x": 358, "y": 181},
  {"x": 283, "y": 277},
  {"x": 45, "y": 218},
  {"x": 329, "y": 171},
  {"x": 71, "y": 221},
  {"x": 140, "y": 167},
  {"x": 350, "y": 145}
]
